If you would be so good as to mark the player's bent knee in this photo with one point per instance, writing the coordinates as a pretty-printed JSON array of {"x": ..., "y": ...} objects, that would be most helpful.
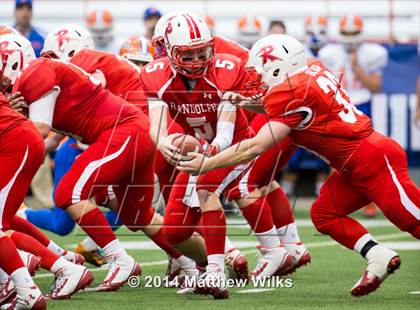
[
  {"x": 321, "y": 223},
  {"x": 62, "y": 196}
]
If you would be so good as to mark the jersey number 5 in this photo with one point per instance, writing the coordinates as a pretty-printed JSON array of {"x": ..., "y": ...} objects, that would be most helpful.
[
  {"x": 201, "y": 127},
  {"x": 328, "y": 84}
]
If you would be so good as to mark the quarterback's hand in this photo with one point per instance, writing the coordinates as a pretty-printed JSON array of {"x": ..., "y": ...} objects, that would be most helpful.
[
  {"x": 233, "y": 98},
  {"x": 169, "y": 151},
  {"x": 197, "y": 164},
  {"x": 17, "y": 102}
]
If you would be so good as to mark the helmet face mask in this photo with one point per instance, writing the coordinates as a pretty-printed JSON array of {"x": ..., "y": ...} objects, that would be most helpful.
[{"x": 192, "y": 62}]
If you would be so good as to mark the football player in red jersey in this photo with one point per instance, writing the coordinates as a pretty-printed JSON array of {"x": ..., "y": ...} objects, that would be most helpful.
[
  {"x": 73, "y": 103},
  {"x": 264, "y": 174},
  {"x": 110, "y": 69},
  {"x": 306, "y": 102},
  {"x": 20, "y": 160},
  {"x": 189, "y": 83}
]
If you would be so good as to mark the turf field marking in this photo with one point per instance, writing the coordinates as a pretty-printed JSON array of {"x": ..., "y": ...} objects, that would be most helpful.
[
  {"x": 308, "y": 245},
  {"x": 415, "y": 293},
  {"x": 255, "y": 290}
]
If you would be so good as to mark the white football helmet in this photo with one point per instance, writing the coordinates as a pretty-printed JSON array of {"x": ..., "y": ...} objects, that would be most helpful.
[
  {"x": 158, "y": 39},
  {"x": 65, "y": 41},
  {"x": 16, "y": 53},
  {"x": 189, "y": 44},
  {"x": 277, "y": 57}
]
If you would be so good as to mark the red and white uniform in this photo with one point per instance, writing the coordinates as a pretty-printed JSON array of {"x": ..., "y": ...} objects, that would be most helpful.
[
  {"x": 225, "y": 46},
  {"x": 196, "y": 111},
  {"x": 123, "y": 79},
  {"x": 21, "y": 154},
  {"x": 369, "y": 166},
  {"x": 121, "y": 152}
]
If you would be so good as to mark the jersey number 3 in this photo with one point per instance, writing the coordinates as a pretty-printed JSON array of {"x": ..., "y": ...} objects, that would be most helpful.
[{"x": 329, "y": 84}]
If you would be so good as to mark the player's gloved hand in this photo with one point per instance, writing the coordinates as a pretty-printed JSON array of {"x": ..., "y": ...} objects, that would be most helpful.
[
  {"x": 170, "y": 152},
  {"x": 17, "y": 102},
  {"x": 233, "y": 98}
]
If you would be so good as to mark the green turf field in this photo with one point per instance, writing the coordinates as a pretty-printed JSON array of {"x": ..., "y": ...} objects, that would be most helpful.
[{"x": 325, "y": 283}]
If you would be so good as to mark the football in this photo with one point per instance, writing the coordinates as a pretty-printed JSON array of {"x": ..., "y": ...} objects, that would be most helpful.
[{"x": 186, "y": 144}]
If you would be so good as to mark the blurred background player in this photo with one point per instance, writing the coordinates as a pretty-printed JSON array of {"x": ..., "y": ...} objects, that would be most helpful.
[
  {"x": 138, "y": 50},
  {"x": 316, "y": 34},
  {"x": 277, "y": 26},
  {"x": 100, "y": 23},
  {"x": 249, "y": 30},
  {"x": 150, "y": 18},
  {"x": 23, "y": 18},
  {"x": 315, "y": 38},
  {"x": 210, "y": 22},
  {"x": 358, "y": 66}
]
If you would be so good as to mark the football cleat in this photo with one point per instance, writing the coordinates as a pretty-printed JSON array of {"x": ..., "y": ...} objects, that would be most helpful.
[
  {"x": 381, "y": 263},
  {"x": 300, "y": 255},
  {"x": 272, "y": 262},
  {"x": 173, "y": 269},
  {"x": 212, "y": 282},
  {"x": 187, "y": 281},
  {"x": 73, "y": 257},
  {"x": 121, "y": 268},
  {"x": 32, "y": 262},
  {"x": 7, "y": 291},
  {"x": 236, "y": 265},
  {"x": 28, "y": 298},
  {"x": 94, "y": 257},
  {"x": 69, "y": 280}
]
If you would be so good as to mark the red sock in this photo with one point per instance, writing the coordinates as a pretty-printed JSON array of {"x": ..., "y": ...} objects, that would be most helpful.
[
  {"x": 97, "y": 227},
  {"x": 214, "y": 231},
  {"x": 26, "y": 227},
  {"x": 163, "y": 243},
  {"x": 33, "y": 246},
  {"x": 9, "y": 258},
  {"x": 280, "y": 208},
  {"x": 258, "y": 215}
]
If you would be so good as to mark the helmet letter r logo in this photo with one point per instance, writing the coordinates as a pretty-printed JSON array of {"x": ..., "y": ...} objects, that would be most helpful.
[{"x": 266, "y": 55}]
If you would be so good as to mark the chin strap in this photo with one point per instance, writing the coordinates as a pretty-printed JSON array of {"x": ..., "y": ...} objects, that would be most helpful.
[{"x": 5, "y": 84}]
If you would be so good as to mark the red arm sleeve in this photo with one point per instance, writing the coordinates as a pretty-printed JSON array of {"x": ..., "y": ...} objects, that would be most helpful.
[
  {"x": 84, "y": 60},
  {"x": 36, "y": 81}
]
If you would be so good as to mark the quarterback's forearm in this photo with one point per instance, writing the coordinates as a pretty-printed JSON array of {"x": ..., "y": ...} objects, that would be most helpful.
[{"x": 158, "y": 123}]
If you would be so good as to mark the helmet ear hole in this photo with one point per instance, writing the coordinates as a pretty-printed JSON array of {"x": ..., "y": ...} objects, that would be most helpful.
[
  {"x": 15, "y": 66},
  {"x": 276, "y": 73},
  {"x": 71, "y": 53}
]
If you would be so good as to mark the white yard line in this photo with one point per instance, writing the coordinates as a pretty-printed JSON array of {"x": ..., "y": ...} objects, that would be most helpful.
[
  {"x": 308, "y": 245},
  {"x": 415, "y": 293},
  {"x": 255, "y": 290}
]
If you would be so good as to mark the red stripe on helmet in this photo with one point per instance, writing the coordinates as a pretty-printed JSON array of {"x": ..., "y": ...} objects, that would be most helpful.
[
  {"x": 192, "y": 33},
  {"x": 196, "y": 29}
]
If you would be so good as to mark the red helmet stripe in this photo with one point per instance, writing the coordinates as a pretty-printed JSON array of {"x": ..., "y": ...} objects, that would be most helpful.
[
  {"x": 196, "y": 29},
  {"x": 192, "y": 33}
]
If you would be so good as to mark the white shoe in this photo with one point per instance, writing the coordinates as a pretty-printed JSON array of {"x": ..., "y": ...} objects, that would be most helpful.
[
  {"x": 272, "y": 262},
  {"x": 300, "y": 255},
  {"x": 32, "y": 262},
  {"x": 381, "y": 262},
  {"x": 173, "y": 269},
  {"x": 213, "y": 282},
  {"x": 69, "y": 280},
  {"x": 28, "y": 298},
  {"x": 73, "y": 257},
  {"x": 7, "y": 291},
  {"x": 236, "y": 265},
  {"x": 187, "y": 281},
  {"x": 121, "y": 268}
]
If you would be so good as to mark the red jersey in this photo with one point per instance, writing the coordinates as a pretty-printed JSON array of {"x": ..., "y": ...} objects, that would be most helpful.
[
  {"x": 8, "y": 117},
  {"x": 329, "y": 125},
  {"x": 196, "y": 110},
  {"x": 225, "y": 46},
  {"x": 83, "y": 107},
  {"x": 121, "y": 75}
]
